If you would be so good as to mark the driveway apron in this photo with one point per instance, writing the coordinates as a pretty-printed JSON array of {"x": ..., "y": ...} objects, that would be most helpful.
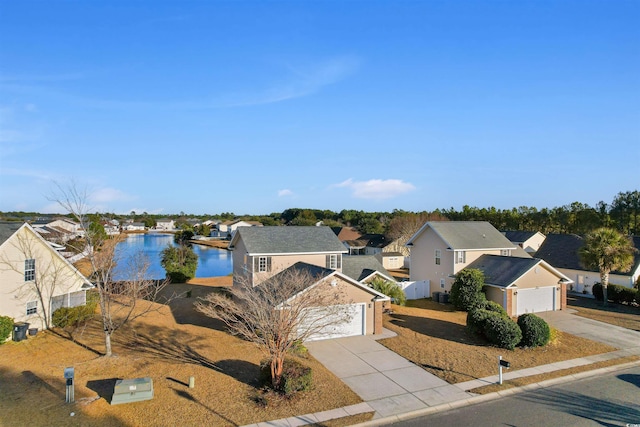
[
  {"x": 389, "y": 383},
  {"x": 612, "y": 335}
]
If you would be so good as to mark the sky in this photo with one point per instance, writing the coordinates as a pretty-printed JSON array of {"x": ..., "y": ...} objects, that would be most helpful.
[{"x": 206, "y": 107}]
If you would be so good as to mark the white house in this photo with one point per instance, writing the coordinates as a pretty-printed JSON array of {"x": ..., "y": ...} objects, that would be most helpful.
[
  {"x": 35, "y": 279},
  {"x": 165, "y": 224}
]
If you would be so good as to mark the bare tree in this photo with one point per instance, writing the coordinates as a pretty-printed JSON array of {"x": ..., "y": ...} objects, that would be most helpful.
[
  {"x": 120, "y": 301},
  {"x": 294, "y": 305},
  {"x": 404, "y": 225}
]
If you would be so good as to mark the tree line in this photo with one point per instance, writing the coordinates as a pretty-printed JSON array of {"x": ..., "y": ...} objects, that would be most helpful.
[{"x": 622, "y": 214}]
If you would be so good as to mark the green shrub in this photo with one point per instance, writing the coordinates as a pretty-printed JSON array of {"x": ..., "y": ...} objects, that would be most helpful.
[
  {"x": 502, "y": 331},
  {"x": 613, "y": 292},
  {"x": 6, "y": 327},
  {"x": 492, "y": 306},
  {"x": 628, "y": 295},
  {"x": 476, "y": 319},
  {"x": 295, "y": 377},
  {"x": 597, "y": 291},
  {"x": 535, "y": 331},
  {"x": 466, "y": 290},
  {"x": 74, "y": 316}
]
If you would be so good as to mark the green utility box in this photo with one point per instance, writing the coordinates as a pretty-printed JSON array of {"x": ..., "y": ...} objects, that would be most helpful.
[{"x": 135, "y": 390}]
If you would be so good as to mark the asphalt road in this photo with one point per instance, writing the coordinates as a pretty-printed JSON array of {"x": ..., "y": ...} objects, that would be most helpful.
[{"x": 609, "y": 400}]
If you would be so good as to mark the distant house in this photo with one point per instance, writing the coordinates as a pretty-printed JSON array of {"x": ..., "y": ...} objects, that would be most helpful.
[
  {"x": 165, "y": 224},
  {"x": 59, "y": 230},
  {"x": 228, "y": 228},
  {"x": 522, "y": 285},
  {"x": 134, "y": 226},
  {"x": 530, "y": 241},
  {"x": 261, "y": 253},
  {"x": 29, "y": 263},
  {"x": 391, "y": 260},
  {"x": 562, "y": 252}
]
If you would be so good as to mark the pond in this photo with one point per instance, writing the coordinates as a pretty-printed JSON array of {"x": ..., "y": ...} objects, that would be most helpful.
[{"x": 211, "y": 261}]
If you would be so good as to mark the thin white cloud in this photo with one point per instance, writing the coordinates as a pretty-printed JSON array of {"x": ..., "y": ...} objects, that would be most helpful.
[
  {"x": 306, "y": 80},
  {"x": 109, "y": 195},
  {"x": 377, "y": 189},
  {"x": 285, "y": 193}
]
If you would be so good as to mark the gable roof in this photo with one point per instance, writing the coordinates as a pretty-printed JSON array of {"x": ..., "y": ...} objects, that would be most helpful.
[
  {"x": 519, "y": 236},
  {"x": 319, "y": 274},
  {"x": 503, "y": 271},
  {"x": 288, "y": 240},
  {"x": 346, "y": 233},
  {"x": 562, "y": 251},
  {"x": 6, "y": 227},
  {"x": 361, "y": 267},
  {"x": 466, "y": 235}
]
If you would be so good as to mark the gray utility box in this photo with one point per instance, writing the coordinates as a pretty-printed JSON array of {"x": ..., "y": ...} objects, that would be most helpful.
[{"x": 135, "y": 390}]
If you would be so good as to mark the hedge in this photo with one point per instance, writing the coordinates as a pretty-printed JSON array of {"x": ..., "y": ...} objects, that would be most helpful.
[
  {"x": 616, "y": 293},
  {"x": 597, "y": 291},
  {"x": 476, "y": 319},
  {"x": 6, "y": 327},
  {"x": 535, "y": 331},
  {"x": 73, "y": 316},
  {"x": 502, "y": 331},
  {"x": 492, "y": 306}
]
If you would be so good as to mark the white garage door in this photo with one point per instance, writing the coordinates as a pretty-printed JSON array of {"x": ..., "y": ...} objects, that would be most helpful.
[
  {"x": 536, "y": 300},
  {"x": 355, "y": 327}
]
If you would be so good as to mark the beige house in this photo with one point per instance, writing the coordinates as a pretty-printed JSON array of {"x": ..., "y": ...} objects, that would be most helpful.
[
  {"x": 35, "y": 280},
  {"x": 440, "y": 249},
  {"x": 523, "y": 285},
  {"x": 529, "y": 241},
  {"x": 260, "y": 253}
]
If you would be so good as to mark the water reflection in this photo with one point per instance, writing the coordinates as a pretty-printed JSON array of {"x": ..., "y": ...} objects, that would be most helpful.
[{"x": 211, "y": 261}]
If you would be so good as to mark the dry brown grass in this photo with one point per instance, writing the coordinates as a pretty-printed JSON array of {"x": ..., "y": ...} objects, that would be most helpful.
[
  {"x": 519, "y": 382},
  {"x": 168, "y": 345},
  {"x": 621, "y": 315},
  {"x": 434, "y": 336}
]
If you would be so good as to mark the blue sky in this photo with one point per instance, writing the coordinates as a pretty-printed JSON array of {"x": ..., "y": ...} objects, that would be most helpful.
[{"x": 256, "y": 107}]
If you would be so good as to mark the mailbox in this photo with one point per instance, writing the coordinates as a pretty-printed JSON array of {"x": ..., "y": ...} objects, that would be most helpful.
[
  {"x": 505, "y": 363},
  {"x": 69, "y": 373}
]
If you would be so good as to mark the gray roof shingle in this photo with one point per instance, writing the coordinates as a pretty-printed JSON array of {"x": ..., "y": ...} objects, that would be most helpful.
[
  {"x": 7, "y": 228},
  {"x": 503, "y": 270},
  {"x": 518, "y": 236},
  {"x": 293, "y": 239},
  {"x": 359, "y": 267},
  {"x": 468, "y": 235}
]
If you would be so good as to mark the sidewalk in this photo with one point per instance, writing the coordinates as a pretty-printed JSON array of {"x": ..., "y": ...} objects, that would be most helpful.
[
  {"x": 457, "y": 400},
  {"x": 396, "y": 389}
]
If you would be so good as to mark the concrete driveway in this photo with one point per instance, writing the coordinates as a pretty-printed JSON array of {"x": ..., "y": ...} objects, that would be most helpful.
[
  {"x": 389, "y": 383},
  {"x": 612, "y": 335}
]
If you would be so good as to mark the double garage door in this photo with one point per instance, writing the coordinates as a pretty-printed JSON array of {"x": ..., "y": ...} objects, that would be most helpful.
[
  {"x": 356, "y": 326},
  {"x": 536, "y": 300}
]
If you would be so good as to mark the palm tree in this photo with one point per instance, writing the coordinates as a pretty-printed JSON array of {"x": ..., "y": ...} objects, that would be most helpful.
[
  {"x": 607, "y": 250},
  {"x": 390, "y": 289}
]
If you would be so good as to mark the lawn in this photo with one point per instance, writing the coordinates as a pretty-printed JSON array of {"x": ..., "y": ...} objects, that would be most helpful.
[
  {"x": 434, "y": 336},
  {"x": 615, "y": 314},
  {"x": 169, "y": 345}
]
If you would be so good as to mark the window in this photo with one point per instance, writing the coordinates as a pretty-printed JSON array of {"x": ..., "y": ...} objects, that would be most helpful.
[
  {"x": 29, "y": 270},
  {"x": 442, "y": 283},
  {"x": 262, "y": 264},
  {"x": 333, "y": 261},
  {"x": 438, "y": 256},
  {"x": 461, "y": 257},
  {"x": 32, "y": 307}
]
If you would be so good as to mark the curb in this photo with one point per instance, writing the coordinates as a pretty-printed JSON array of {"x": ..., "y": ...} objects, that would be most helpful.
[{"x": 495, "y": 395}]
